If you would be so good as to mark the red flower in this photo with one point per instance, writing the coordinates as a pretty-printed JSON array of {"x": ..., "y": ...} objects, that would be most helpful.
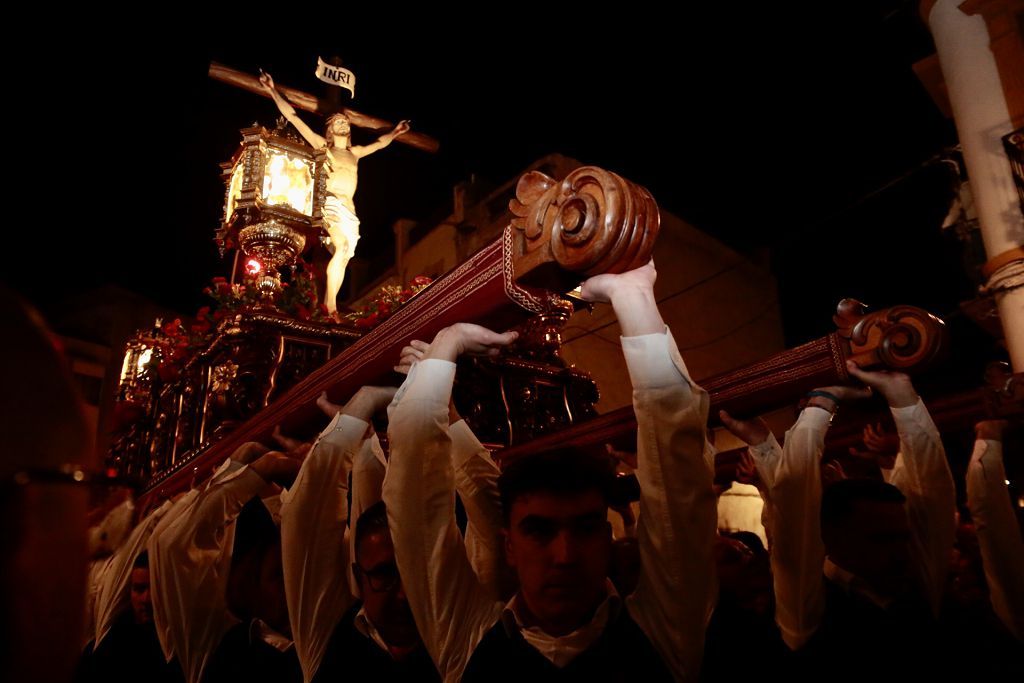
[
  {"x": 367, "y": 322},
  {"x": 420, "y": 280}
]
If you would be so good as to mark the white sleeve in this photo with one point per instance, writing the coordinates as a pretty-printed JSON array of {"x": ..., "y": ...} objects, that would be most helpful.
[
  {"x": 922, "y": 474},
  {"x": 677, "y": 587},
  {"x": 114, "y": 596},
  {"x": 766, "y": 455},
  {"x": 797, "y": 551},
  {"x": 451, "y": 608},
  {"x": 107, "y": 536},
  {"x": 1002, "y": 550},
  {"x": 161, "y": 618},
  {"x": 93, "y": 582},
  {"x": 476, "y": 482},
  {"x": 368, "y": 468},
  {"x": 189, "y": 565},
  {"x": 314, "y": 549}
]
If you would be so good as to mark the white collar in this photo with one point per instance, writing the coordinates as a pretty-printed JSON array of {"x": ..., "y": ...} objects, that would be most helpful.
[
  {"x": 560, "y": 650},
  {"x": 854, "y": 584},
  {"x": 259, "y": 630},
  {"x": 366, "y": 627}
]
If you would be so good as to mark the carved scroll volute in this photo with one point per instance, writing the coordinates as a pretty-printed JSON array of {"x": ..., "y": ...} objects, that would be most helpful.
[
  {"x": 592, "y": 222},
  {"x": 898, "y": 338}
]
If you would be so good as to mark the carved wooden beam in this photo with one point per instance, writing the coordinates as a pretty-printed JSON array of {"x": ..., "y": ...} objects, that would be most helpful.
[
  {"x": 901, "y": 338},
  {"x": 311, "y": 103},
  {"x": 592, "y": 222},
  {"x": 1001, "y": 397}
]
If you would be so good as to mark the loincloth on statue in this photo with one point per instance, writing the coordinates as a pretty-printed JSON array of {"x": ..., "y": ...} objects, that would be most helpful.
[{"x": 342, "y": 224}]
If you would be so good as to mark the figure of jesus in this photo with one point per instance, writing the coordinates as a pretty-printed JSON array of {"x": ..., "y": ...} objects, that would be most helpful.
[{"x": 339, "y": 211}]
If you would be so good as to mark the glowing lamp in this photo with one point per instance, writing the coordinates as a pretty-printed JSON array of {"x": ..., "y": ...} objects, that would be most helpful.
[{"x": 272, "y": 210}]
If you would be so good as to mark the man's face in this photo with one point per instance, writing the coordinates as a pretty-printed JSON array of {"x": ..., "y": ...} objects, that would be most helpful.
[
  {"x": 874, "y": 544},
  {"x": 384, "y": 600},
  {"x": 142, "y": 606},
  {"x": 340, "y": 127},
  {"x": 559, "y": 545}
]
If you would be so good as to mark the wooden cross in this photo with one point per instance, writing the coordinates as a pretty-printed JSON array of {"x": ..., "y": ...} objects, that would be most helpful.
[{"x": 311, "y": 103}]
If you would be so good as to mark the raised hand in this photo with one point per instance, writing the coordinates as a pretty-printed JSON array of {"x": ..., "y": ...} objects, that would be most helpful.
[
  {"x": 746, "y": 469},
  {"x": 877, "y": 439},
  {"x": 991, "y": 430},
  {"x": 631, "y": 295},
  {"x": 832, "y": 472},
  {"x": 294, "y": 448},
  {"x": 881, "y": 447},
  {"x": 752, "y": 432},
  {"x": 627, "y": 458},
  {"x": 324, "y": 404},
  {"x": 274, "y": 467},
  {"x": 413, "y": 353},
  {"x": 451, "y": 342},
  {"x": 894, "y": 386},
  {"x": 248, "y": 452},
  {"x": 602, "y": 288},
  {"x": 369, "y": 401}
]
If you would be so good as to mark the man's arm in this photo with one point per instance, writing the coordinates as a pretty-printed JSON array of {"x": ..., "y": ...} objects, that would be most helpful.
[
  {"x": 288, "y": 111},
  {"x": 476, "y": 482},
  {"x": 794, "y": 502},
  {"x": 452, "y": 609},
  {"x": 675, "y": 594},
  {"x": 113, "y": 597},
  {"x": 314, "y": 513},
  {"x": 798, "y": 553},
  {"x": 1002, "y": 550},
  {"x": 163, "y": 619},
  {"x": 191, "y": 558},
  {"x": 922, "y": 474},
  {"x": 360, "y": 151},
  {"x": 368, "y": 469}
]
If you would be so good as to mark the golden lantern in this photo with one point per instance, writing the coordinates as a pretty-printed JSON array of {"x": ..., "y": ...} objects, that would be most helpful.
[
  {"x": 138, "y": 368},
  {"x": 272, "y": 210}
]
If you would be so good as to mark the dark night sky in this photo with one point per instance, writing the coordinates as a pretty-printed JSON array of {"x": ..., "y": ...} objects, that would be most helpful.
[{"x": 771, "y": 129}]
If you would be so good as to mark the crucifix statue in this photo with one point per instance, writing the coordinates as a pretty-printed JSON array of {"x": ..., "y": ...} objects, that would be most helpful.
[
  {"x": 339, "y": 213},
  {"x": 342, "y": 172}
]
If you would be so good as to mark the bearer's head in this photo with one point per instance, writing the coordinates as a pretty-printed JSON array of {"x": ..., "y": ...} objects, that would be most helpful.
[{"x": 557, "y": 536}]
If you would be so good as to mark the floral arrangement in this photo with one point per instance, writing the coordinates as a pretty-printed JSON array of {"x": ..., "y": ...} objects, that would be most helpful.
[
  {"x": 176, "y": 341},
  {"x": 385, "y": 302}
]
